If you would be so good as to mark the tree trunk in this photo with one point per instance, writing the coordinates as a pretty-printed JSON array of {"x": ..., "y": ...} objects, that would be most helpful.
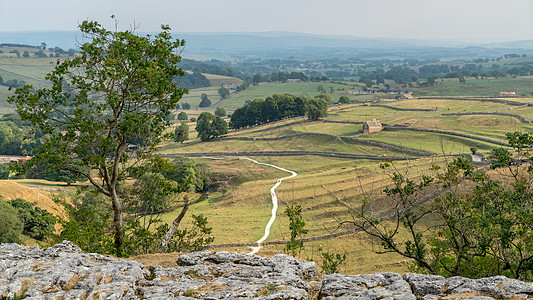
[
  {"x": 117, "y": 219},
  {"x": 166, "y": 239}
]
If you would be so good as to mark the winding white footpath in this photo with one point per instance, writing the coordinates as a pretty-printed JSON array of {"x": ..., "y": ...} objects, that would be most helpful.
[{"x": 274, "y": 200}]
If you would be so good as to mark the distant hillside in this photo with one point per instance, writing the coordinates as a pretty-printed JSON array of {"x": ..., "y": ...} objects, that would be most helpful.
[{"x": 283, "y": 44}]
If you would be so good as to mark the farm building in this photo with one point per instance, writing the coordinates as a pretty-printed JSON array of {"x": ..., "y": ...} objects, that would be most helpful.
[
  {"x": 230, "y": 86},
  {"x": 372, "y": 126},
  {"x": 507, "y": 94},
  {"x": 406, "y": 96},
  {"x": 5, "y": 159}
]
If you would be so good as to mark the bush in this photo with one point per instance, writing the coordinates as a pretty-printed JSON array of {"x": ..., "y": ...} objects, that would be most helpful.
[
  {"x": 205, "y": 101},
  {"x": 170, "y": 117},
  {"x": 87, "y": 223},
  {"x": 182, "y": 116},
  {"x": 10, "y": 225},
  {"x": 220, "y": 112},
  {"x": 344, "y": 100},
  {"x": 181, "y": 133}
]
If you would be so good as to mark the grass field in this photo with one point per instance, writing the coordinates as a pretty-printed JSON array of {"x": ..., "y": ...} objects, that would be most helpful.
[
  {"x": 218, "y": 80},
  {"x": 264, "y": 90},
  {"x": 490, "y": 87}
]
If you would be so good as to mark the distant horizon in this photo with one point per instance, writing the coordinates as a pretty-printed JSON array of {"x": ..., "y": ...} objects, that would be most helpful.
[{"x": 466, "y": 42}]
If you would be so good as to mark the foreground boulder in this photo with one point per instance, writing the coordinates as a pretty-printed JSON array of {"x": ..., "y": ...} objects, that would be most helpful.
[{"x": 65, "y": 272}]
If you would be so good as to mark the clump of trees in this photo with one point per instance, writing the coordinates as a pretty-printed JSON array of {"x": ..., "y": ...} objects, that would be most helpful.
[
  {"x": 194, "y": 81},
  {"x": 481, "y": 220},
  {"x": 210, "y": 126},
  {"x": 274, "y": 108},
  {"x": 278, "y": 107}
]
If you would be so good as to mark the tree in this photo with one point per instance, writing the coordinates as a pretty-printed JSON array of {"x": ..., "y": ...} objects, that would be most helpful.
[
  {"x": 223, "y": 92},
  {"x": 70, "y": 174},
  {"x": 205, "y": 101},
  {"x": 297, "y": 228},
  {"x": 12, "y": 139},
  {"x": 119, "y": 88},
  {"x": 181, "y": 133},
  {"x": 26, "y": 54},
  {"x": 220, "y": 112},
  {"x": 185, "y": 105},
  {"x": 43, "y": 46},
  {"x": 194, "y": 81},
  {"x": 40, "y": 53},
  {"x": 344, "y": 100},
  {"x": 316, "y": 108},
  {"x": 210, "y": 126},
  {"x": 183, "y": 116}
]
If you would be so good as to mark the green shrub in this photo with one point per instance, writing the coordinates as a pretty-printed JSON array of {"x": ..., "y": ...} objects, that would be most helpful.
[{"x": 10, "y": 224}]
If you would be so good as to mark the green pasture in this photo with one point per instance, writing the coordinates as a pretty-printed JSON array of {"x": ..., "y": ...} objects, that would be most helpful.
[
  {"x": 428, "y": 141},
  {"x": 218, "y": 80},
  {"x": 5, "y": 107},
  {"x": 526, "y": 112},
  {"x": 330, "y": 128},
  {"x": 488, "y": 87},
  {"x": 264, "y": 90},
  {"x": 364, "y": 113},
  {"x": 452, "y": 106},
  {"x": 194, "y": 96},
  {"x": 301, "y": 143},
  {"x": 489, "y": 126},
  {"x": 269, "y": 129}
]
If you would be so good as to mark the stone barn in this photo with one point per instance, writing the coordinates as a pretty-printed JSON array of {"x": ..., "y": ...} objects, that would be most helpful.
[
  {"x": 406, "y": 97},
  {"x": 372, "y": 126}
]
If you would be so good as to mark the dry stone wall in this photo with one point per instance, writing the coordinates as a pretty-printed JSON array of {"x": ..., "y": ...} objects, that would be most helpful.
[{"x": 65, "y": 272}]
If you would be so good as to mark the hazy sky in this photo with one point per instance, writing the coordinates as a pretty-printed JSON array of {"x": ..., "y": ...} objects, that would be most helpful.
[{"x": 461, "y": 20}]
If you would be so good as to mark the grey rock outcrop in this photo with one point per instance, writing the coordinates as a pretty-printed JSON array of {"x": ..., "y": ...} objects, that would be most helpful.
[{"x": 65, "y": 272}]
